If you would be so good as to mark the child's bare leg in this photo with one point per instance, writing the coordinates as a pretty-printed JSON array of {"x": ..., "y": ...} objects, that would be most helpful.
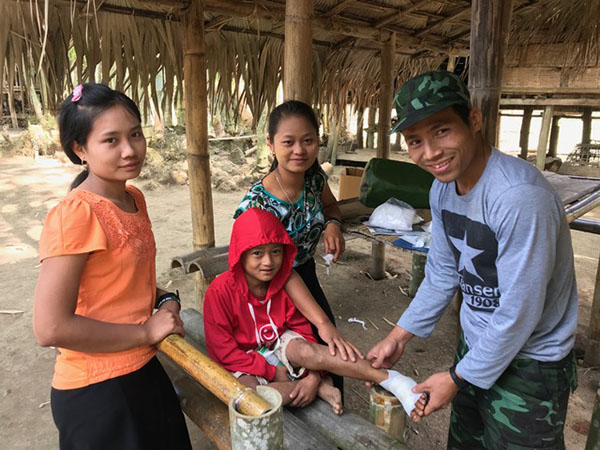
[
  {"x": 312, "y": 356},
  {"x": 317, "y": 357},
  {"x": 331, "y": 395}
]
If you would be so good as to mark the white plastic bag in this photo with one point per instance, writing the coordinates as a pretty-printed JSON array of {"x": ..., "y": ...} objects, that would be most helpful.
[{"x": 394, "y": 215}]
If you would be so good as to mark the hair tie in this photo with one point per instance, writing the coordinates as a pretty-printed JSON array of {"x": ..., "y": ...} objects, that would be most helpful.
[{"x": 77, "y": 93}]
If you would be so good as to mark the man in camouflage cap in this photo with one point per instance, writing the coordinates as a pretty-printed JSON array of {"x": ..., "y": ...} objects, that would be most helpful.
[{"x": 499, "y": 234}]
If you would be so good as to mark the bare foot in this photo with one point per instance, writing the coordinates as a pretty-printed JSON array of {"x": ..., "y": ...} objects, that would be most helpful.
[{"x": 331, "y": 395}]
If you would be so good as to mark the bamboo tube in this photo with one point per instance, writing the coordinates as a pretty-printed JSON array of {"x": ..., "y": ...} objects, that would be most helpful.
[
  {"x": 385, "y": 411},
  {"x": 265, "y": 431},
  {"x": 196, "y": 129},
  {"x": 490, "y": 25},
  {"x": 386, "y": 96},
  {"x": 297, "y": 60},
  {"x": 212, "y": 376},
  {"x": 418, "y": 273}
]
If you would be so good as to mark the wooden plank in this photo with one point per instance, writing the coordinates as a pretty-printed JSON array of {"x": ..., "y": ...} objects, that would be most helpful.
[
  {"x": 550, "y": 101},
  {"x": 571, "y": 189}
]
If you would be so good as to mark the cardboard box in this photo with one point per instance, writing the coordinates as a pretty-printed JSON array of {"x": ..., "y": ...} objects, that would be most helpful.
[{"x": 350, "y": 179}]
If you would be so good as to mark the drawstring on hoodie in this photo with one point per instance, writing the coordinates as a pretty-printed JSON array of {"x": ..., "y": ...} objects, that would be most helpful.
[{"x": 259, "y": 340}]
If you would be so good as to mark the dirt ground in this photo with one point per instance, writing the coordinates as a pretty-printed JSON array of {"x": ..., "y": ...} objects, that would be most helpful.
[{"x": 28, "y": 188}]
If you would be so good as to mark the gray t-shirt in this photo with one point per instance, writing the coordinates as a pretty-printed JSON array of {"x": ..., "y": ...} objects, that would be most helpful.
[{"x": 507, "y": 245}]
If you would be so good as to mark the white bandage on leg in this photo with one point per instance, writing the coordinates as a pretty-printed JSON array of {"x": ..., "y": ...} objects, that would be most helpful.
[{"x": 401, "y": 386}]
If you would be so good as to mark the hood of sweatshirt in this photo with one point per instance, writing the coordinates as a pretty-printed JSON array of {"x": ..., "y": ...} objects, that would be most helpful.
[{"x": 253, "y": 228}]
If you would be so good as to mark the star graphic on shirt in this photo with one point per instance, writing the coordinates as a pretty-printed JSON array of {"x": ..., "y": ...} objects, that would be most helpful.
[{"x": 467, "y": 254}]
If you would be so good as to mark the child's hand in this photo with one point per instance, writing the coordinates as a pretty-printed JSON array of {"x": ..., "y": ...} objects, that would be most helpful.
[
  {"x": 281, "y": 374},
  {"x": 305, "y": 391},
  {"x": 163, "y": 323},
  {"x": 336, "y": 340}
]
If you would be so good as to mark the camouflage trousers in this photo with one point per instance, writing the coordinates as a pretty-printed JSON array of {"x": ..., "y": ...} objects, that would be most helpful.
[{"x": 524, "y": 409}]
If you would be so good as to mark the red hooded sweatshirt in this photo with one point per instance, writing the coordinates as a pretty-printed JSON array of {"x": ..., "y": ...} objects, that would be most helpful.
[{"x": 236, "y": 323}]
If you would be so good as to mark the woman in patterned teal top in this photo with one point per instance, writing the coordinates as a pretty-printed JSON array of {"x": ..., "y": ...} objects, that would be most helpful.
[{"x": 297, "y": 193}]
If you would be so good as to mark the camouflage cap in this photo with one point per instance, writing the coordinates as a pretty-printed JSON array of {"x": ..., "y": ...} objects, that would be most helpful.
[{"x": 427, "y": 94}]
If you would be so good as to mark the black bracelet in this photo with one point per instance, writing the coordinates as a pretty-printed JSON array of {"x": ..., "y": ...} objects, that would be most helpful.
[
  {"x": 334, "y": 220},
  {"x": 174, "y": 296},
  {"x": 457, "y": 380}
]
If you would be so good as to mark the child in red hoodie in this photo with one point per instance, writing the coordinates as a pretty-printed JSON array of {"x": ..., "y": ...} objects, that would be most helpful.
[{"x": 253, "y": 329}]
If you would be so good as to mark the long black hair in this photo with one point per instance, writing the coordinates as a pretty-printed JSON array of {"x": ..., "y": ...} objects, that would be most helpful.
[
  {"x": 78, "y": 112},
  {"x": 292, "y": 108}
]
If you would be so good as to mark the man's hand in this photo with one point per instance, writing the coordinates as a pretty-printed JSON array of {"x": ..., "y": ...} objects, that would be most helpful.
[
  {"x": 388, "y": 351},
  {"x": 305, "y": 391},
  {"x": 441, "y": 390}
]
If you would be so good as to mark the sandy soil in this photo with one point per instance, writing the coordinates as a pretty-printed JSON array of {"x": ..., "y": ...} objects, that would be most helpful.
[{"x": 29, "y": 188}]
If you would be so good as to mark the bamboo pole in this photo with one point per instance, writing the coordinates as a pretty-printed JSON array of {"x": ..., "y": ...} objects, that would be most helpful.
[
  {"x": 196, "y": 131},
  {"x": 544, "y": 134},
  {"x": 490, "y": 25},
  {"x": 386, "y": 96},
  {"x": 212, "y": 376},
  {"x": 524, "y": 135},
  {"x": 297, "y": 60},
  {"x": 359, "y": 128},
  {"x": 586, "y": 131},
  {"x": 554, "y": 132},
  {"x": 592, "y": 350},
  {"x": 371, "y": 127}
]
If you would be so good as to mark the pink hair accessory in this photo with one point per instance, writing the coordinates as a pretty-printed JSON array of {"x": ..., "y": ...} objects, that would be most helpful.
[{"x": 77, "y": 93}]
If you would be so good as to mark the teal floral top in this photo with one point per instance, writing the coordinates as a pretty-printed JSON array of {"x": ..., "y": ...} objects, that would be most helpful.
[{"x": 303, "y": 220}]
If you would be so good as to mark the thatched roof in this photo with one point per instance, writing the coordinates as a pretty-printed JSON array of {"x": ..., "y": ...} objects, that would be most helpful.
[{"x": 136, "y": 45}]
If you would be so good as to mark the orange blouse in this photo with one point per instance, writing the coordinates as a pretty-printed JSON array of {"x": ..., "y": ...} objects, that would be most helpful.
[{"x": 118, "y": 283}]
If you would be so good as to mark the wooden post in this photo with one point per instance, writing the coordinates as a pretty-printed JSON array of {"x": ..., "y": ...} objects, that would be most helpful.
[
  {"x": 417, "y": 272},
  {"x": 525, "y": 127},
  {"x": 544, "y": 134},
  {"x": 586, "y": 132},
  {"x": 593, "y": 440},
  {"x": 297, "y": 60},
  {"x": 196, "y": 130},
  {"x": 378, "y": 257},
  {"x": 371, "y": 127},
  {"x": 554, "y": 131},
  {"x": 359, "y": 128},
  {"x": 490, "y": 25},
  {"x": 592, "y": 350},
  {"x": 386, "y": 96}
]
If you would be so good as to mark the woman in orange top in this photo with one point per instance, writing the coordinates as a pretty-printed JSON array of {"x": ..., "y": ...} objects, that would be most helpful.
[{"x": 97, "y": 289}]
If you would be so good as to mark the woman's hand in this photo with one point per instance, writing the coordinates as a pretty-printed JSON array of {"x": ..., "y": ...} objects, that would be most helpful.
[
  {"x": 306, "y": 390},
  {"x": 333, "y": 240},
  {"x": 163, "y": 323},
  {"x": 336, "y": 340}
]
